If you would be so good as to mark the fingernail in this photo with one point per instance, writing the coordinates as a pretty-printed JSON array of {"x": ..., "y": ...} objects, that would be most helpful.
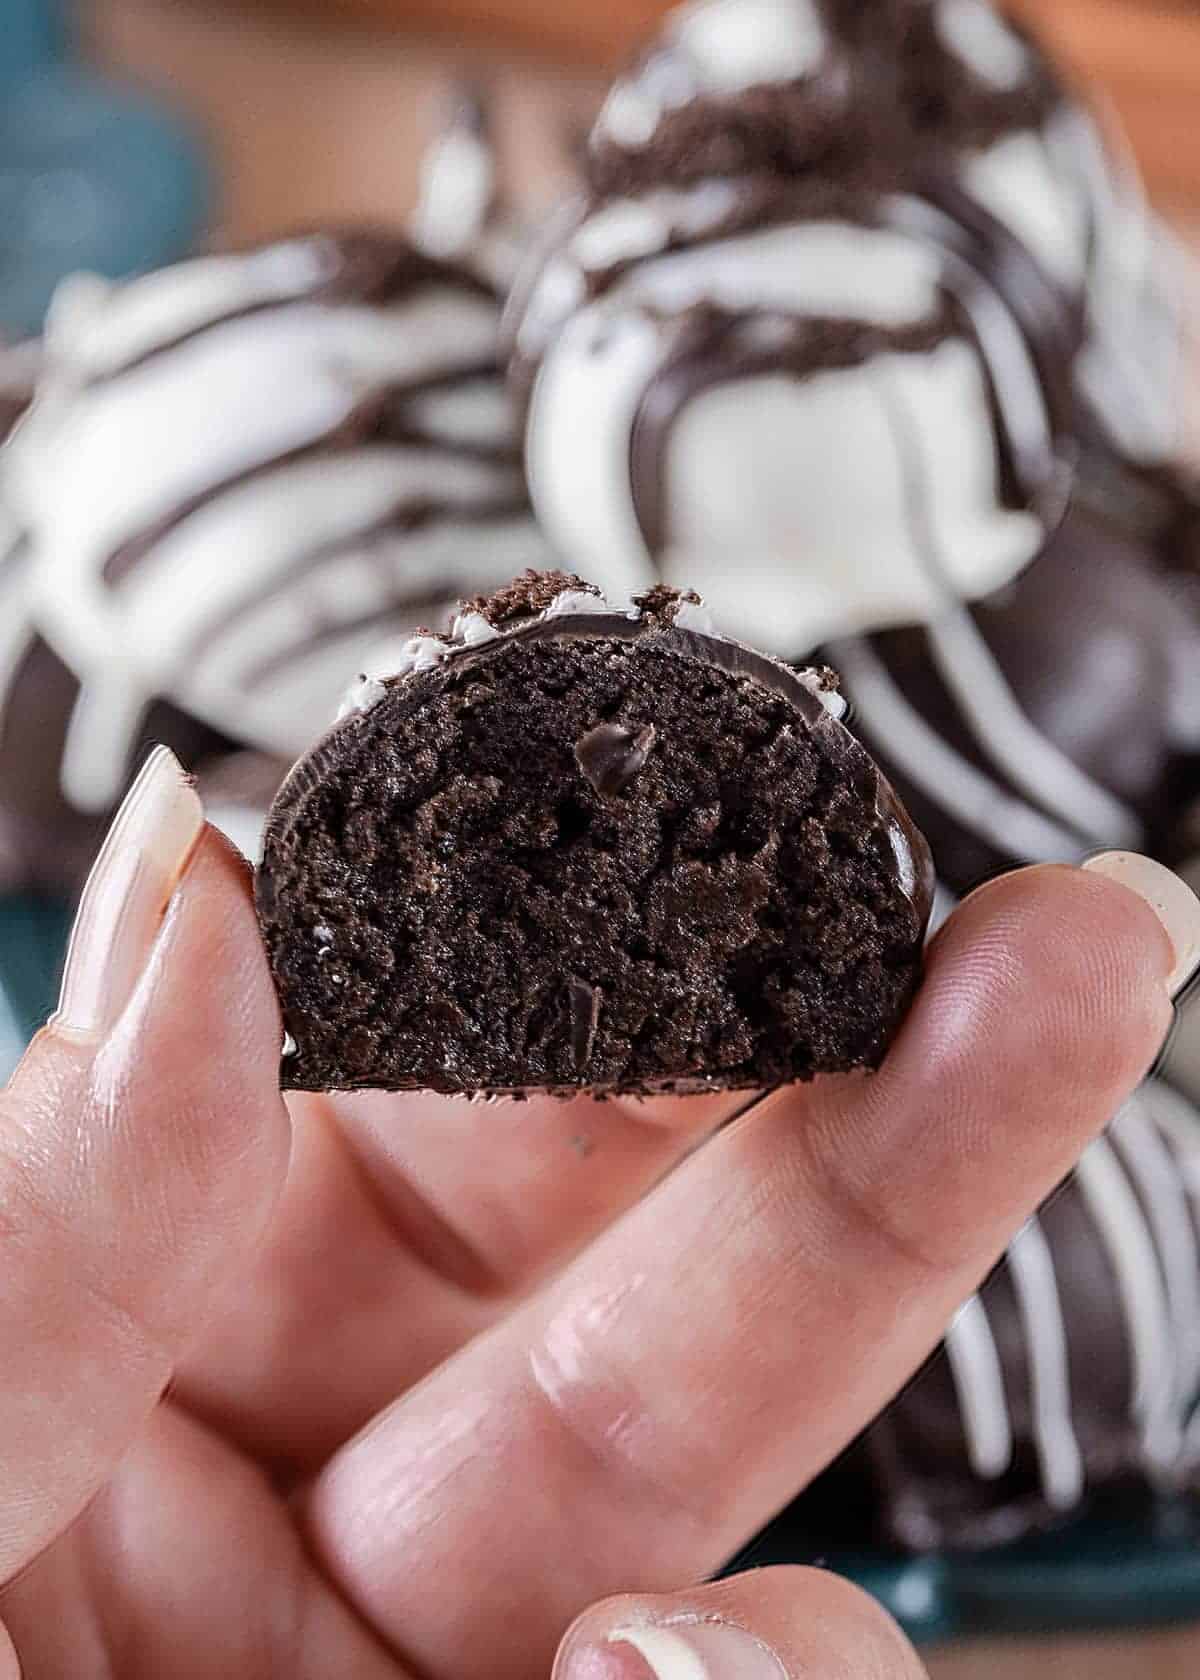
[
  {"x": 1172, "y": 900},
  {"x": 683, "y": 1651},
  {"x": 146, "y": 851}
]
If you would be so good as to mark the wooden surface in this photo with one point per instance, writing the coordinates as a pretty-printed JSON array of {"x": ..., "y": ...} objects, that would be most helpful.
[
  {"x": 1146, "y": 58},
  {"x": 1161, "y": 1656},
  {"x": 311, "y": 124},
  {"x": 572, "y": 29}
]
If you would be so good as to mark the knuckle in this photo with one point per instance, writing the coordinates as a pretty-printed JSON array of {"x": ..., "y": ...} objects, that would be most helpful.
[
  {"x": 873, "y": 1214},
  {"x": 64, "y": 1282},
  {"x": 610, "y": 1441}
]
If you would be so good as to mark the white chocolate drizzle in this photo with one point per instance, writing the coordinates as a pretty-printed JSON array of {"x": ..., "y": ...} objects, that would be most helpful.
[
  {"x": 213, "y": 515},
  {"x": 1140, "y": 1190},
  {"x": 573, "y": 602},
  {"x": 362, "y": 696},
  {"x": 832, "y": 699},
  {"x": 473, "y": 630},
  {"x": 974, "y": 31},
  {"x": 1034, "y": 1276},
  {"x": 979, "y": 1380}
]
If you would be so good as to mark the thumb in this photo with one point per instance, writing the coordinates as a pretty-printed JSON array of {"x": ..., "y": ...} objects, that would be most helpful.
[
  {"x": 143, "y": 1142},
  {"x": 772, "y": 1624}
]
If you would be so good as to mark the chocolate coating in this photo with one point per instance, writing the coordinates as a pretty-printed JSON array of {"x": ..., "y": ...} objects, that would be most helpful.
[{"x": 1100, "y": 658}]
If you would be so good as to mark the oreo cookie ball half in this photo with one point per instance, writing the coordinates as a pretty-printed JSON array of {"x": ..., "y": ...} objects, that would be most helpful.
[{"x": 575, "y": 848}]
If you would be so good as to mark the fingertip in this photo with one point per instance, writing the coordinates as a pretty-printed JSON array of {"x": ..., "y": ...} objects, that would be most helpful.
[
  {"x": 1169, "y": 898},
  {"x": 1066, "y": 956},
  {"x": 203, "y": 1029},
  {"x": 1044, "y": 1006},
  {"x": 771, "y": 1624},
  {"x": 181, "y": 1100},
  {"x": 140, "y": 1164},
  {"x": 1091, "y": 900}
]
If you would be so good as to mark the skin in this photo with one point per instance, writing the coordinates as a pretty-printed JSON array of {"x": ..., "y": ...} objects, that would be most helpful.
[{"x": 398, "y": 1387}]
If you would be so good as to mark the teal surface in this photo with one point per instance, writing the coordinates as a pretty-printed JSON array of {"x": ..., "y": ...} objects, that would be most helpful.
[
  {"x": 93, "y": 175},
  {"x": 1124, "y": 1567},
  {"x": 30, "y": 36},
  {"x": 1116, "y": 1569},
  {"x": 33, "y": 937}
]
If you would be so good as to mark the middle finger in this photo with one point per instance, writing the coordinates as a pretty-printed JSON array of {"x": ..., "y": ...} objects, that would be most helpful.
[{"x": 409, "y": 1225}]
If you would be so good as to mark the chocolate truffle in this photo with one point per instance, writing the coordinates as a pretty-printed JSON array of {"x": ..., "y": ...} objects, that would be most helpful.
[
  {"x": 570, "y": 847},
  {"x": 1074, "y": 1373},
  {"x": 928, "y": 95},
  {"x": 1058, "y": 716},
  {"x": 815, "y": 403}
]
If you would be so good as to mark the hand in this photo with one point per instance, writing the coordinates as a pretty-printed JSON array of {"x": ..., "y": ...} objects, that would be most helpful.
[{"x": 383, "y": 1387}]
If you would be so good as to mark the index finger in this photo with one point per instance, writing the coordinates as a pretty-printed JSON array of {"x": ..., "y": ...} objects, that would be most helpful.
[{"x": 653, "y": 1407}]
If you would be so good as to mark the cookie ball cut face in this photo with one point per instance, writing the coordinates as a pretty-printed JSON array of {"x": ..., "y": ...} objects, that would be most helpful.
[{"x": 577, "y": 848}]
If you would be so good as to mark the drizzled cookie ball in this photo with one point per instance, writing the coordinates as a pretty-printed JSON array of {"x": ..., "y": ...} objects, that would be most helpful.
[
  {"x": 236, "y": 476},
  {"x": 932, "y": 94}
]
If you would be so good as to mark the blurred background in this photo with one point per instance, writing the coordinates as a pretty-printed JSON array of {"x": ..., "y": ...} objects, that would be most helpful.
[
  {"x": 232, "y": 123},
  {"x": 310, "y": 118}
]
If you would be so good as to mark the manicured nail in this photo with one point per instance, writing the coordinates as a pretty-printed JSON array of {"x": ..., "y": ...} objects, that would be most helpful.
[
  {"x": 146, "y": 851},
  {"x": 700, "y": 1650},
  {"x": 1172, "y": 900}
]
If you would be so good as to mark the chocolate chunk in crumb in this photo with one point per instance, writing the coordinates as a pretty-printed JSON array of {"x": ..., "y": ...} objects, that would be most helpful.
[
  {"x": 585, "y": 1003},
  {"x": 612, "y": 754}
]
